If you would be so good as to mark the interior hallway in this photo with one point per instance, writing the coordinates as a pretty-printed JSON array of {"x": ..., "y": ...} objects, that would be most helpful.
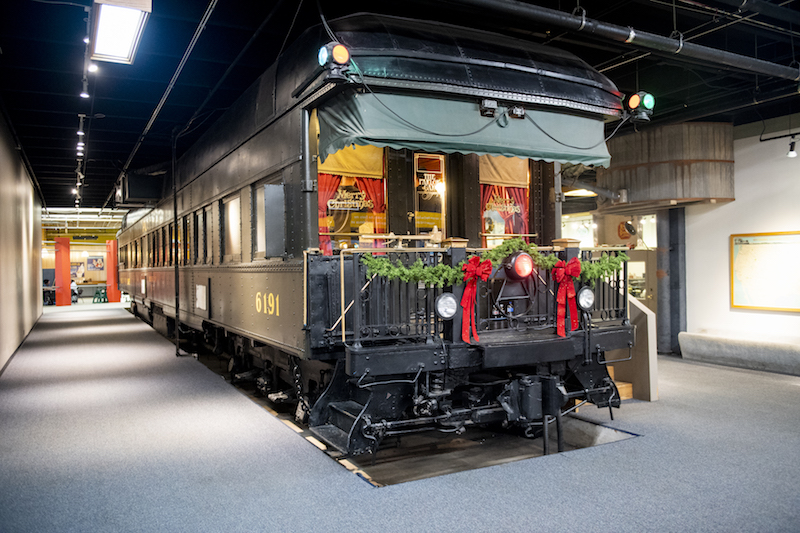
[{"x": 102, "y": 428}]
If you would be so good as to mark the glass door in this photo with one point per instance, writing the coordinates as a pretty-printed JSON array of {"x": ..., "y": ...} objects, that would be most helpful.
[{"x": 429, "y": 197}]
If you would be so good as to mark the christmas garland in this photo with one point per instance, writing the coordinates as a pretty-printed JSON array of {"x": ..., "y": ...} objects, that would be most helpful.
[
  {"x": 445, "y": 275},
  {"x": 439, "y": 275}
]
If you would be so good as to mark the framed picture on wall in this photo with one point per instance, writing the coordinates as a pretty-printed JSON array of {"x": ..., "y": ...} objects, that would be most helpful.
[
  {"x": 76, "y": 270},
  {"x": 763, "y": 271},
  {"x": 96, "y": 263}
]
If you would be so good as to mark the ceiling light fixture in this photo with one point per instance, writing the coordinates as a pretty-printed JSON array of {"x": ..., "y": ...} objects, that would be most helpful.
[
  {"x": 580, "y": 193},
  {"x": 792, "y": 152},
  {"x": 118, "y": 28}
]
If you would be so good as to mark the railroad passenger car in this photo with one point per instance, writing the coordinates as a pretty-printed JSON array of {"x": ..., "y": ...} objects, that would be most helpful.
[{"x": 325, "y": 223}]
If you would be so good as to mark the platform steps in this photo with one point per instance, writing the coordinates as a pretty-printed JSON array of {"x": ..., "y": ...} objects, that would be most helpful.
[
  {"x": 625, "y": 389},
  {"x": 341, "y": 418}
]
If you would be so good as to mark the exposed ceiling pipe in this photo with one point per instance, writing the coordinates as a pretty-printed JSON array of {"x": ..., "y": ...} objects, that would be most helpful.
[
  {"x": 640, "y": 39},
  {"x": 765, "y": 8},
  {"x": 198, "y": 31}
]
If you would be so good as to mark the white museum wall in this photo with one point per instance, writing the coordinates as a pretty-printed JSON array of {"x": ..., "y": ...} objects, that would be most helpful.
[
  {"x": 767, "y": 188},
  {"x": 20, "y": 249}
]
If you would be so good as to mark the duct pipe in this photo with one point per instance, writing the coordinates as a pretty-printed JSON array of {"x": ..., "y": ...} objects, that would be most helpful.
[
  {"x": 650, "y": 41},
  {"x": 765, "y": 8}
]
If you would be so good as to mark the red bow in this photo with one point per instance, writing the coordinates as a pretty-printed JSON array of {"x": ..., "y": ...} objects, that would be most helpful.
[
  {"x": 564, "y": 273},
  {"x": 473, "y": 270}
]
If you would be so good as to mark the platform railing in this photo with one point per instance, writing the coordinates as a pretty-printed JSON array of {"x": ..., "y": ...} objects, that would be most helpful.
[
  {"x": 611, "y": 292},
  {"x": 380, "y": 310},
  {"x": 391, "y": 310}
]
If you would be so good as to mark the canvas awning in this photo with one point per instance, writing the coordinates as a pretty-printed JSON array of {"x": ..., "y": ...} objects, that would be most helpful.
[
  {"x": 503, "y": 171},
  {"x": 355, "y": 161},
  {"x": 442, "y": 125}
]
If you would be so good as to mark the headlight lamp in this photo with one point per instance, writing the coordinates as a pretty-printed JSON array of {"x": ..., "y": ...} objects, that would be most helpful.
[
  {"x": 586, "y": 298},
  {"x": 446, "y": 306}
]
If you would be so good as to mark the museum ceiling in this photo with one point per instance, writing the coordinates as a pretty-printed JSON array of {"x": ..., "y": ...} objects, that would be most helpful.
[{"x": 742, "y": 73}]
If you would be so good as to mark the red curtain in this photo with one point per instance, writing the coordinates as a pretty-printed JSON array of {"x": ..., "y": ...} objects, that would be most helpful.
[
  {"x": 520, "y": 197},
  {"x": 327, "y": 184},
  {"x": 514, "y": 222},
  {"x": 374, "y": 191}
]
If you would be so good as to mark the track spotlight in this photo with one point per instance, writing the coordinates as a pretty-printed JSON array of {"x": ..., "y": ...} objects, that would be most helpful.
[{"x": 792, "y": 152}]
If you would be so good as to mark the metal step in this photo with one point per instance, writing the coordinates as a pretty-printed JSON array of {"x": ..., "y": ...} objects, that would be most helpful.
[
  {"x": 343, "y": 414},
  {"x": 332, "y": 435}
]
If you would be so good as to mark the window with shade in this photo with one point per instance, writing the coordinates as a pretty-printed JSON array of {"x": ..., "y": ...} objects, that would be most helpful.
[
  {"x": 351, "y": 198},
  {"x": 504, "y": 199},
  {"x": 232, "y": 223},
  {"x": 269, "y": 218},
  {"x": 208, "y": 235}
]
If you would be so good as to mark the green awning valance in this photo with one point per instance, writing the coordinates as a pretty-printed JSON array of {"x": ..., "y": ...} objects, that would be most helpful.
[{"x": 439, "y": 125}]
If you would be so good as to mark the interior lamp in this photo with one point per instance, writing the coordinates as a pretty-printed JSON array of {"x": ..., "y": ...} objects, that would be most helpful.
[
  {"x": 118, "y": 28},
  {"x": 792, "y": 152}
]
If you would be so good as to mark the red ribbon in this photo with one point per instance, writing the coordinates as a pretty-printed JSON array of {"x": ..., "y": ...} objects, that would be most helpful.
[
  {"x": 564, "y": 273},
  {"x": 473, "y": 270}
]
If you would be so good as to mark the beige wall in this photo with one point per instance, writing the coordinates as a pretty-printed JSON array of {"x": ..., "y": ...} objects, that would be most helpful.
[
  {"x": 767, "y": 185},
  {"x": 78, "y": 254},
  {"x": 20, "y": 249}
]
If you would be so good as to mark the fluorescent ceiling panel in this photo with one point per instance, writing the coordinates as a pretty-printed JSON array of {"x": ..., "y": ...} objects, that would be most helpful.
[{"x": 117, "y": 31}]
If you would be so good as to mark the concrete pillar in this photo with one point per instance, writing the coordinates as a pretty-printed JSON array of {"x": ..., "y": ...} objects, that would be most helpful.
[
  {"x": 112, "y": 274},
  {"x": 62, "y": 281},
  {"x": 671, "y": 273}
]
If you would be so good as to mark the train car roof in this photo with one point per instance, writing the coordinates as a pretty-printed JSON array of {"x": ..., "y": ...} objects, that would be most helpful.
[
  {"x": 419, "y": 85},
  {"x": 391, "y": 51}
]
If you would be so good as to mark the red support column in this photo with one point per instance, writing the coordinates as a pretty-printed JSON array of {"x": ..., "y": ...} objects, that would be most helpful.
[
  {"x": 63, "y": 292},
  {"x": 112, "y": 275}
]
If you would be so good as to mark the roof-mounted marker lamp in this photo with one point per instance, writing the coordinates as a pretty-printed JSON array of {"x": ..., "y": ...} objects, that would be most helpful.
[
  {"x": 640, "y": 106},
  {"x": 334, "y": 60},
  {"x": 333, "y": 54}
]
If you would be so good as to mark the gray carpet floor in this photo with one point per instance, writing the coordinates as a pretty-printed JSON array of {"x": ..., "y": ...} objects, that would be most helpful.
[{"x": 102, "y": 428}]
